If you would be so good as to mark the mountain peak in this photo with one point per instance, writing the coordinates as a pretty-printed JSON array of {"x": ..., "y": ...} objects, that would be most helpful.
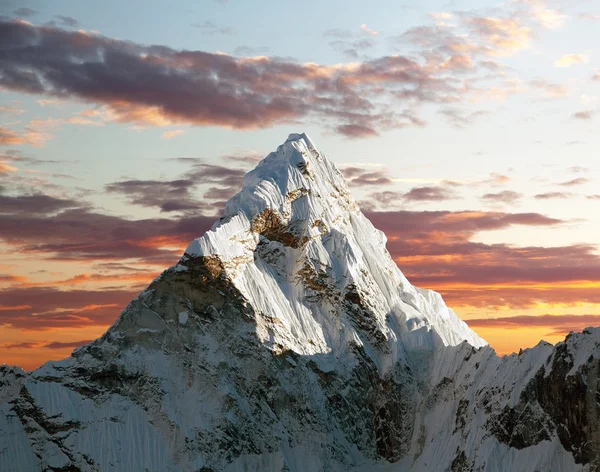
[{"x": 295, "y": 244}]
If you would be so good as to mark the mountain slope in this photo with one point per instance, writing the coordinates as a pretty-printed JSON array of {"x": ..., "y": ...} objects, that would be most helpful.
[{"x": 287, "y": 339}]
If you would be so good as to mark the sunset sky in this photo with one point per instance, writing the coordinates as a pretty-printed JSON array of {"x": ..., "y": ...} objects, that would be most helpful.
[{"x": 467, "y": 131}]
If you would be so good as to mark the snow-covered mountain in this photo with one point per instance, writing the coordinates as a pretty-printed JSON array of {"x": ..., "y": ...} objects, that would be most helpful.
[{"x": 286, "y": 339}]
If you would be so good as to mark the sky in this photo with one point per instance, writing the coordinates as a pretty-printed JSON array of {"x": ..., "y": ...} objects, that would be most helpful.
[{"x": 466, "y": 131}]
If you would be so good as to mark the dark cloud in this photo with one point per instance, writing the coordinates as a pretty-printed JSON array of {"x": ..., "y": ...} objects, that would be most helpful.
[
  {"x": 407, "y": 225},
  {"x": 62, "y": 345},
  {"x": 25, "y": 12},
  {"x": 219, "y": 194},
  {"x": 15, "y": 155},
  {"x": 157, "y": 85},
  {"x": 47, "y": 345},
  {"x": 506, "y": 196},
  {"x": 429, "y": 194},
  {"x": 39, "y": 203},
  {"x": 168, "y": 196},
  {"x": 384, "y": 199},
  {"x": 356, "y": 131},
  {"x": 246, "y": 159},
  {"x": 360, "y": 177},
  {"x": 19, "y": 345},
  {"x": 379, "y": 200},
  {"x": 67, "y": 21},
  {"x": 352, "y": 49},
  {"x": 49, "y": 308},
  {"x": 85, "y": 235},
  {"x": 437, "y": 250},
  {"x": 178, "y": 195},
  {"x": 202, "y": 173}
]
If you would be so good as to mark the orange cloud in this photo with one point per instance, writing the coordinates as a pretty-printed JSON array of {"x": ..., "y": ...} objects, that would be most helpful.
[{"x": 172, "y": 134}]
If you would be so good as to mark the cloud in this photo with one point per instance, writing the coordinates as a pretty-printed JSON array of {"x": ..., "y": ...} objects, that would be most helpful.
[
  {"x": 560, "y": 325},
  {"x": 67, "y": 21},
  {"x": 172, "y": 134},
  {"x": 383, "y": 199},
  {"x": 365, "y": 29},
  {"x": 496, "y": 179},
  {"x": 429, "y": 194},
  {"x": 553, "y": 195},
  {"x": 249, "y": 158},
  {"x": 458, "y": 62},
  {"x": 503, "y": 36},
  {"x": 573, "y": 182},
  {"x": 211, "y": 29},
  {"x": 547, "y": 17},
  {"x": 568, "y": 60},
  {"x": 437, "y": 250},
  {"x": 579, "y": 169},
  {"x": 5, "y": 168},
  {"x": 526, "y": 321},
  {"x": 20, "y": 345},
  {"x": 178, "y": 195},
  {"x": 51, "y": 308},
  {"x": 549, "y": 90},
  {"x": 352, "y": 49},
  {"x": 584, "y": 115},
  {"x": 47, "y": 345},
  {"x": 360, "y": 177},
  {"x": 85, "y": 235},
  {"x": 169, "y": 196},
  {"x": 461, "y": 119},
  {"x": 63, "y": 345},
  {"x": 9, "y": 137},
  {"x": 250, "y": 51},
  {"x": 590, "y": 16},
  {"x": 25, "y": 12},
  {"x": 506, "y": 196},
  {"x": 161, "y": 86},
  {"x": 35, "y": 204},
  {"x": 356, "y": 131}
]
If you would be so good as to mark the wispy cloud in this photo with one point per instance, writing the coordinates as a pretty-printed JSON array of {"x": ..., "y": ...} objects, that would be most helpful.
[
  {"x": 172, "y": 134},
  {"x": 568, "y": 60},
  {"x": 371, "y": 32},
  {"x": 584, "y": 115}
]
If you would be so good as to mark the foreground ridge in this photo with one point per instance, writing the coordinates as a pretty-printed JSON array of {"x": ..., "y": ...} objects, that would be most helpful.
[{"x": 287, "y": 339}]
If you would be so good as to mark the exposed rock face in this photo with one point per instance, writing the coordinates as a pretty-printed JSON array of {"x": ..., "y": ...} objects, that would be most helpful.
[{"x": 286, "y": 339}]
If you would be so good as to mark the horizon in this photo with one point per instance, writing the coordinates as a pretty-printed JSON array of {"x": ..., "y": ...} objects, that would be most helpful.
[{"x": 465, "y": 133}]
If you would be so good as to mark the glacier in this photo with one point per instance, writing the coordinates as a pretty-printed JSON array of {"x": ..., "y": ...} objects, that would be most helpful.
[{"x": 287, "y": 339}]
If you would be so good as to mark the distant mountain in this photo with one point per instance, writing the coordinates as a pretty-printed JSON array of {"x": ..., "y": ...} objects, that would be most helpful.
[{"x": 286, "y": 339}]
